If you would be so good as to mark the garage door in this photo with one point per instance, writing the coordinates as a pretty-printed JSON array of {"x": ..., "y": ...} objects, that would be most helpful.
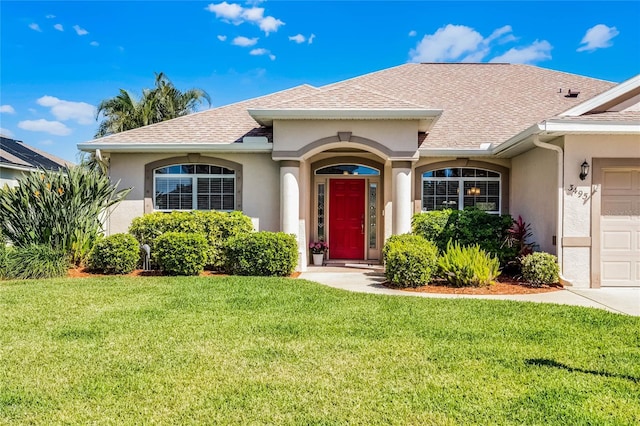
[{"x": 620, "y": 228}]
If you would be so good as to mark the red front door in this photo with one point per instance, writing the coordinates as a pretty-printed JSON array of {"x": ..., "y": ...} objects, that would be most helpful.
[{"x": 346, "y": 218}]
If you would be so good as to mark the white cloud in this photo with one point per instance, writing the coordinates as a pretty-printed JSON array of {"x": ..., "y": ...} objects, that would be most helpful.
[
  {"x": 222, "y": 37},
  {"x": 42, "y": 125},
  {"x": 224, "y": 10},
  {"x": 81, "y": 112},
  {"x": 448, "y": 43},
  {"x": 94, "y": 44},
  {"x": 46, "y": 142},
  {"x": 80, "y": 31},
  {"x": 453, "y": 43},
  {"x": 32, "y": 110},
  {"x": 255, "y": 14},
  {"x": 50, "y": 16},
  {"x": 58, "y": 27},
  {"x": 270, "y": 24},
  {"x": 6, "y": 132},
  {"x": 272, "y": 57},
  {"x": 598, "y": 37},
  {"x": 537, "y": 51},
  {"x": 7, "y": 109},
  {"x": 413, "y": 33},
  {"x": 244, "y": 41},
  {"x": 298, "y": 38},
  {"x": 35, "y": 27},
  {"x": 311, "y": 38},
  {"x": 258, "y": 52},
  {"x": 236, "y": 14}
]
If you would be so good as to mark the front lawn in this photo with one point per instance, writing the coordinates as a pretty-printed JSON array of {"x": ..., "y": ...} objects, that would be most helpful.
[{"x": 232, "y": 350}]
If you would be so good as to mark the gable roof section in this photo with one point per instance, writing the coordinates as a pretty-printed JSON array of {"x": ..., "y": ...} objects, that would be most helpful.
[
  {"x": 481, "y": 103},
  {"x": 222, "y": 125},
  {"x": 17, "y": 155}
]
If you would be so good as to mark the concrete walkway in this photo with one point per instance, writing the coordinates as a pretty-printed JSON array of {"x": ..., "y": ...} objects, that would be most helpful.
[{"x": 369, "y": 280}]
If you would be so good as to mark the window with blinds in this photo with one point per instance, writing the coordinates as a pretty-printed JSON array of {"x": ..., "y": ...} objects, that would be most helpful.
[
  {"x": 457, "y": 188},
  {"x": 194, "y": 187}
]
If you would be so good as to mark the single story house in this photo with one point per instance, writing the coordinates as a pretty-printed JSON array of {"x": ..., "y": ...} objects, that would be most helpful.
[
  {"x": 351, "y": 162},
  {"x": 17, "y": 158}
]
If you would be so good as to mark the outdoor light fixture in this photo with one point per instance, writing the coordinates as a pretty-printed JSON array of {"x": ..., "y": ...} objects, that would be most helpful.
[{"x": 584, "y": 170}]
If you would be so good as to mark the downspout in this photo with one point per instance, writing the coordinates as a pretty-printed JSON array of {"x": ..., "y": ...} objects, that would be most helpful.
[{"x": 560, "y": 209}]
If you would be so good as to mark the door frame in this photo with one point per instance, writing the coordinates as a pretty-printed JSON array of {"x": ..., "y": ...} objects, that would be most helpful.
[{"x": 370, "y": 253}]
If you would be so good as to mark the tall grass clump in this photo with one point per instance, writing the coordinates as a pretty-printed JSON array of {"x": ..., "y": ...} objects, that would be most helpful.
[
  {"x": 63, "y": 209},
  {"x": 35, "y": 262},
  {"x": 468, "y": 266}
]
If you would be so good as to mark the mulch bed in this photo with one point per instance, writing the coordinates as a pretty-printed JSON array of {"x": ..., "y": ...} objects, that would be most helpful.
[
  {"x": 86, "y": 273},
  {"x": 505, "y": 284}
]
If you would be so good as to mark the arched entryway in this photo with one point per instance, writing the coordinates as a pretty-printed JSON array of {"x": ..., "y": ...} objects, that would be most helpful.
[{"x": 346, "y": 207}]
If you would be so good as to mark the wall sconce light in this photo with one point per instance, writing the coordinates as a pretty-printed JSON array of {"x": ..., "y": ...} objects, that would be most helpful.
[{"x": 584, "y": 170}]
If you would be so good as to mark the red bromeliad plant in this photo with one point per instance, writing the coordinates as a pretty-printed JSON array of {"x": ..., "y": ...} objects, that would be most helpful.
[
  {"x": 518, "y": 236},
  {"x": 318, "y": 247}
]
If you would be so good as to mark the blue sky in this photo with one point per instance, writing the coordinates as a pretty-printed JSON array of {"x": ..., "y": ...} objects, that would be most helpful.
[{"x": 60, "y": 59}]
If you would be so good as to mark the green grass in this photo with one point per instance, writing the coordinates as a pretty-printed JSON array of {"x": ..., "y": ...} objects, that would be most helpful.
[{"x": 279, "y": 351}]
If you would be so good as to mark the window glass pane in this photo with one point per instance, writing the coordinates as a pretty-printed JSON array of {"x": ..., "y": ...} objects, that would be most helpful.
[
  {"x": 215, "y": 170},
  {"x": 481, "y": 173},
  {"x": 321, "y": 228},
  {"x": 228, "y": 171},
  {"x": 493, "y": 188},
  {"x": 202, "y": 169},
  {"x": 373, "y": 195},
  {"x": 429, "y": 188},
  {"x": 428, "y": 174},
  {"x": 493, "y": 174},
  {"x": 174, "y": 170},
  {"x": 228, "y": 202},
  {"x": 461, "y": 187},
  {"x": 468, "y": 172},
  {"x": 173, "y": 193}
]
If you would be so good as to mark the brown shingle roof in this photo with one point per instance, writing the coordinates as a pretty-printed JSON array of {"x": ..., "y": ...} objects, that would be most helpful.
[
  {"x": 225, "y": 124},
  {"x": 482, "y": 103}
]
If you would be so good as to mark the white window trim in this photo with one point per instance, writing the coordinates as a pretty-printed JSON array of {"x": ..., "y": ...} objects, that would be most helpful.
[
  {"x": 461, "y": 180},
  {"x": 194, "y": 185}
]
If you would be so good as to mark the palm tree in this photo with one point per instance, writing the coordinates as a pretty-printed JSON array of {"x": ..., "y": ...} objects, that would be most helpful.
[{"x": 163, "y": 102}]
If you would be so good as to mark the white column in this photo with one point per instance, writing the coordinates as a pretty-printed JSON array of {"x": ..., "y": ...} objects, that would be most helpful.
[
  {"x": 290, "y": 204},
  {"x": 401, "y": 184}
]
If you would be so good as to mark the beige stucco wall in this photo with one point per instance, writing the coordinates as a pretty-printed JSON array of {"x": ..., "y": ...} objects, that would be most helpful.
[
  {"x": 534, "y": 196},
  {"x": 292, "y": 135},
  {"x": 577, "y": 218},
  {"x": 9, "y": 177},
  {"x": 260, "y": 187}
]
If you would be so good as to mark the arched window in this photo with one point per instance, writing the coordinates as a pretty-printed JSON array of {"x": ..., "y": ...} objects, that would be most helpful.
[
  {"x": 457, "y": 188},
  {"x": 348, "y": 169},
  {"x": 194, "y": 187}
]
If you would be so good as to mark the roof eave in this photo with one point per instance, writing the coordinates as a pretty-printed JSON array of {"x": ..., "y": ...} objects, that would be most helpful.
[
  {"x": 603, "y": 98},
  {"x": 176, "y": 147},
  {"x": 427, "y": 117}
]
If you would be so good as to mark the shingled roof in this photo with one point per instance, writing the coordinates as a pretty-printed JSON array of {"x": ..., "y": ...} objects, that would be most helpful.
[
  {"x": 16, "y": 154},
  {"x": 482, "y": 103}
]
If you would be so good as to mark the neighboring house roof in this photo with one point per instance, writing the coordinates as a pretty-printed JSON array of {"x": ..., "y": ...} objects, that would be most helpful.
[
  {"x": 481, "y": 103},
  {"x": 18, "y": 155}
]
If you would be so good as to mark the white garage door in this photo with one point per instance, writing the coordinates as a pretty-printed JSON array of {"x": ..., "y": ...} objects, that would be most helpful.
[{"x": 620, "y": 228}]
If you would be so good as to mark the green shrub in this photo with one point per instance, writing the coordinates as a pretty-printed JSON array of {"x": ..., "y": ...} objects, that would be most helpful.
[
  {"x": 36, "y": 261},
  {"x": 115, "y": 254},
  {"x": 467, "y": 227},
  {"x": 410, "y": 260},
  {"x": 468, "y": 266},
  {"x": 261, "y": 254},
  {"x": 62, "y": 209},
  {"x": 181, "y": 253},
  {"x": 3, "y": 255},
  {"x": 540, "y": 268},
  {"x": 216, "y": 226}
]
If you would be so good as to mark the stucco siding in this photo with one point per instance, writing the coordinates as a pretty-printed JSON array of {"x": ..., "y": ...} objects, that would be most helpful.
[
  {"x": 534, "y": 194},
  {"x": 578, "y": 210},
  {"x": 9, "y": 177},
  {"x": 260, "y": 187}
]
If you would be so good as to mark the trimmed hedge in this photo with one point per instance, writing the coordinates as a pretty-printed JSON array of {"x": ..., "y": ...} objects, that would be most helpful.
[
  {"x": 467, "y": 227},
  {"x": 261, "y": 254},
  {"x": 35, "y": 262},
  {"x": 468, "y": 266},
  {"x": 215, "y": 226},
  {"x": 541, "y": 268},
  {"x": 115, "y": 254},
  {"x": 410, "y": 260},
  {"x": 181, "y": 253}
]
